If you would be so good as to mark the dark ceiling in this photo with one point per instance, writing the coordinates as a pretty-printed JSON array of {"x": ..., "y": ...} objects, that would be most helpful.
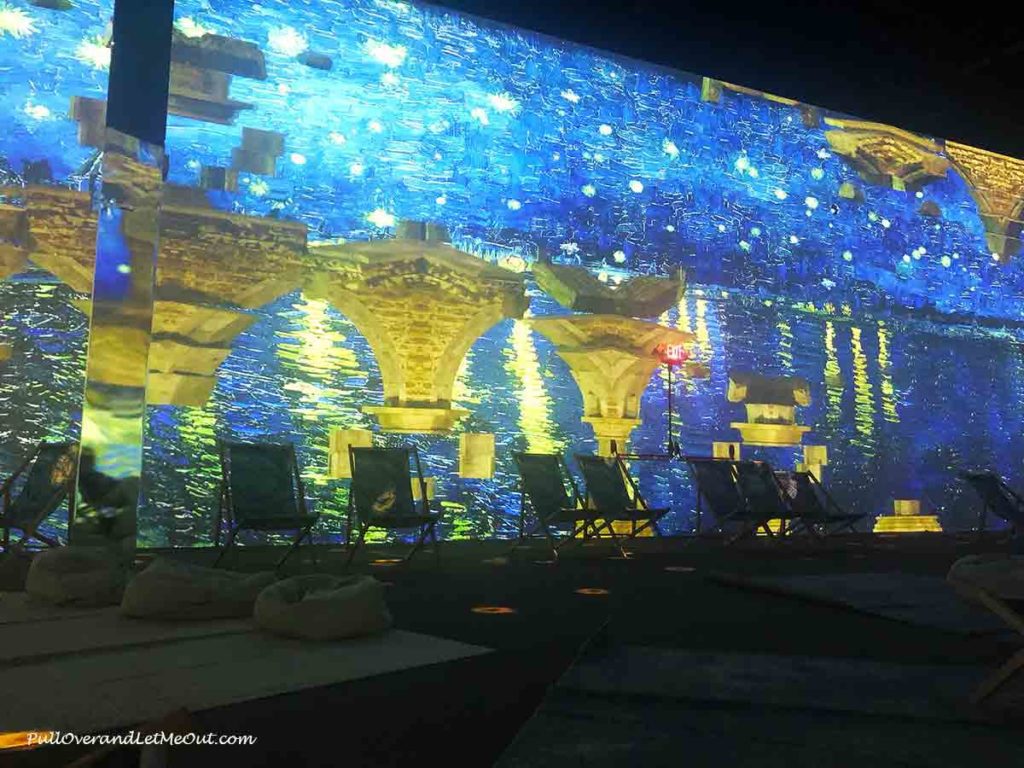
[{"x": 948, "y": 71}]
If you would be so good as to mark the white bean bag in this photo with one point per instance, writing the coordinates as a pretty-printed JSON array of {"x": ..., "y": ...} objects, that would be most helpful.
[
  {"x": 77, "y": 576},
  {"x": 1000, "y": 575},
  {"x": 323, "y": 607},
  {"x": 167, "y": 589}
]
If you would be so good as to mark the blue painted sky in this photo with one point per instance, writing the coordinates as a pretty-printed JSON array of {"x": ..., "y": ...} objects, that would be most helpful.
[
  {"x": 504, "y": 134},
  {"x": 46, "y": 57}
]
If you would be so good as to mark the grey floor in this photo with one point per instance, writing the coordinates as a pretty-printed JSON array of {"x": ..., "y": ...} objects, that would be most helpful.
[
  {"x": 683, "y": 668},
  {"x": 643, "y": 697}
]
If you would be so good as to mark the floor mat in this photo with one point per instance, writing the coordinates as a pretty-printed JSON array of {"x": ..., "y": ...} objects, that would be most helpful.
[
  {"x": 32, "y": 641},
  {"x": 799, "y": 682},
  {"x": 112, "y": 688},
  {"x": 926, "y": 601},
  {"x": 18, "y": 607},
  {"x": 586, "y": 731}
]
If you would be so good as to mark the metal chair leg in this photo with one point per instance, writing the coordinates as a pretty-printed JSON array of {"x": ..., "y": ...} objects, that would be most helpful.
[
  {"x": 552, "y": 542},
  {"x": 418, "y": 545},
  {"x": 991, "y": 684},
  {"x": 616, "y": 540},
  {"x": 312, "y": 547},
  {"x": 359, "y": 542},
  {"x": 570, "y": 539},
  {"x": 295, "y": 543},
  {"x": 227, "y": 545},
  {"x": 523, "y": 536}
]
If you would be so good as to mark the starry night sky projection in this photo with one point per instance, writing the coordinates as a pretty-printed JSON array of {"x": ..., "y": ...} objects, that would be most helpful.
[
  {"x": 903, "y": 323},
  {"x": 503, "y": 135},
  {"x": 46, "y": 57}
]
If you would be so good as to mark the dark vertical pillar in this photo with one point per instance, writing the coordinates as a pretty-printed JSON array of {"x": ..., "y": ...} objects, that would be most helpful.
[{"x": 140, "y": 69}]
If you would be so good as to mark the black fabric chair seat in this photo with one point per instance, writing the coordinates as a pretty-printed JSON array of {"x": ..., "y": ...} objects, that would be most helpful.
[
  {"x": 742, "y": 494},
  {"x": 545, "y": 483},
  {"x": 997, "y": 497},
  {"x": 612, "y": 494},
  {"x": 381, "y": 496},
  {"x": 984, "y": 579},
  {"x": 812, "y": 504},
  {"x": 716, "y": 487},
  {"x": 35, "y": 490},
  {"x": 765, "y": 497},
  {"x": 261, "y": 490}
]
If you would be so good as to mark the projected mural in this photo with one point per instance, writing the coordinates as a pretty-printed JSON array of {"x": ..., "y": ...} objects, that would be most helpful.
[
  {"x": 385, "y": 222},
  {"x": 54, "y": 62},
  {"x": 384, "y": 219}
]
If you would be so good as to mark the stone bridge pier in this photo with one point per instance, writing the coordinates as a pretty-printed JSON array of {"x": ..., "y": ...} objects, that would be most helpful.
[
  {"x": 212, "y": 267},
  {"x": 421, "y": 304},
  {"x": 902, "y": 160},
  {"x": 612, "y": 359},
  {"x": 997, "y": 186}
]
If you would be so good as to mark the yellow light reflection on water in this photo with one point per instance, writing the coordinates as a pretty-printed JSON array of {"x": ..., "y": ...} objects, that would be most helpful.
[
  {"x": 316, "y": 348},
  {"x": 457, "y": 515},
  {"x": 785, "y": 345},
  {"x": 833, "y": 377},
  {"x": 535, "y": 421},
  {"x": 197, "y": 435},
  {"x": 315, "y": 354},
  {"x": 703, "y": 335},
  {"x": 661, "y": 373},
  {"x": 863, "y": 395},
  {"x": 889, "y": 412},
  {"x": 683, "y": 324}
]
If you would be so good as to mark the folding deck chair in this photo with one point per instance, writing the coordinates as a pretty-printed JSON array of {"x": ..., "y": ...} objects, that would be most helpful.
[
  {"x": 381, "y": 497},
  {"x": 716, "y": 487},
  {"x": 543, "y": 479},
  {"x": 49, "y": 479},
  {"x": 997, "y": 497},
  {"x": 733, "y": 502},
  {"x": 613, "y": 496},
  {"x": 816, "y": 510},
  {"x": 765, "y": 498},
  {"x": 261, "y": 490},
  {"x": 1012, "y": 613}
]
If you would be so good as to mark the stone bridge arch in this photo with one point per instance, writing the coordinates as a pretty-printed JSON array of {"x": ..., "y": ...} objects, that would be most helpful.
[{"x": 213, "y": 269}]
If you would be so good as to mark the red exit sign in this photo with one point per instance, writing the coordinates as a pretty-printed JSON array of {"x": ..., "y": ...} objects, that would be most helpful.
[{"x": 673, "y": 354}]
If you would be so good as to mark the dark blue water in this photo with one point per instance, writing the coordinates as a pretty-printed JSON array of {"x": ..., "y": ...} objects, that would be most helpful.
[{"x": 906, "y": 405}]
